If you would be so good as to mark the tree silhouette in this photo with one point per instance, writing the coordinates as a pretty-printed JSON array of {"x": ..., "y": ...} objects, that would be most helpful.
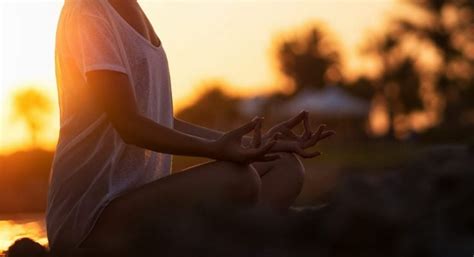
[
  {"x": 363, "y": 88},
  {"x": 32, "y": 106},
  {"x": 310, "y": 60},
  {"x": 450, "y": 31},
  {"x": 214, "y": 108},
  {"x": 398, "y": 81}
]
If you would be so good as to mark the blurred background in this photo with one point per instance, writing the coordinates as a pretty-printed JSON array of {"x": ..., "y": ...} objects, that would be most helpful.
[{"x": 392, "y": 77}]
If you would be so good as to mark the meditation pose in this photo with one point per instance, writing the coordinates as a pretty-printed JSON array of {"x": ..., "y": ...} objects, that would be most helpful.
[{"x": 112, "y": 167}]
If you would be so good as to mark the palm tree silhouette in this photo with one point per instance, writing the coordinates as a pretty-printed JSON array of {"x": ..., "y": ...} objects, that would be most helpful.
[{"x": 32, "y": 106}]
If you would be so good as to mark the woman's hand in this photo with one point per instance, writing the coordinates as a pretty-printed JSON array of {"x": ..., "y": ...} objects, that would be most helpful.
[
  {"x": 288, "y": 141},
  {"x": 229, "y": 146},
  {"x": 289, "y": 144},
  {"x": 285, "y": 128}
]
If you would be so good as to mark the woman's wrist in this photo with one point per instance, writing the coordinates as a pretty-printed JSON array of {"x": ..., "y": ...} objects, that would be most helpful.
[{"x": 210, "y": 148}]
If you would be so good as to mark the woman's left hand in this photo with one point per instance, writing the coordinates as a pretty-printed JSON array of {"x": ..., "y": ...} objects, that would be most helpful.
[
  {"x": 286, "y": 128},
  {"x": 299, "y": 146}
]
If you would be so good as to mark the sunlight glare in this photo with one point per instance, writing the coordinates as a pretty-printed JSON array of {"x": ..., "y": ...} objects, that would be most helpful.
[
  {"x": 11, "y": 231},
  {"x": 204, "y": 39}
]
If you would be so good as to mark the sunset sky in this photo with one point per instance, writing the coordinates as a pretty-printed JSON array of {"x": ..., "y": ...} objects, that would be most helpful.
[{"x": 226, "y": 39}]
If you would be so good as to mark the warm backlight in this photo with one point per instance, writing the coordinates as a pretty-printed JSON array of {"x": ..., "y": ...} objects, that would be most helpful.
[
  {"x": 229, "y": 40},
  {"x": 11, "y": 231}
]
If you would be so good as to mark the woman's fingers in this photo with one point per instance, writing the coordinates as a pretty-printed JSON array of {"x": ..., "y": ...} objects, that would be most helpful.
[
  {"x": 326, "y": 134},
  {"x": 291, "y": 123},
  {"x": 246, "y": 128},
  {"x": 278, "y": 136},
  {"x": 257, "y": 135},
  {"x": 259, "y": 152},
  {"x": 307, "y": 128},
  {"x": 314, "y": 137},
  {"x": 269, "y": 158},
  {"x": 254, "y": 153},
  {"x": 290, "y": 134},
  {"x": 320, "y": 130},
  {"x": 318, "y": 136}
]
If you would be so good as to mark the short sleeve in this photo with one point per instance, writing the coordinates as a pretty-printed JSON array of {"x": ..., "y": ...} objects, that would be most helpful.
[{"x": 94, "y": 45}]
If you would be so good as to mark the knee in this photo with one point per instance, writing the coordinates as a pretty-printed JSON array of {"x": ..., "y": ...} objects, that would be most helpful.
[
  {"x": 244, "y": 184},
  {"x": 293, "y": 166}
]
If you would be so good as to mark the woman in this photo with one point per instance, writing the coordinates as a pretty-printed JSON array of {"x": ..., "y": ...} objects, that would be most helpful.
[{"x": 113, "y": 158}]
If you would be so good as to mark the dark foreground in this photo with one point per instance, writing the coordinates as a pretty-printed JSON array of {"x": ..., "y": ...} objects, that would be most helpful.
[{"x": 423, "y": 208}]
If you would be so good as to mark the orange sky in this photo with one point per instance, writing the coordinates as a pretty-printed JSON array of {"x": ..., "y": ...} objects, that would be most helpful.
[{"x": 225, "y": 39}]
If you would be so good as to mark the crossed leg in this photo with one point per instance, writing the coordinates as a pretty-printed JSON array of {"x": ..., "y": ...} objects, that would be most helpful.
[
  {"x": 282, "y": 181},
  {"x": 272, "y": 185}
]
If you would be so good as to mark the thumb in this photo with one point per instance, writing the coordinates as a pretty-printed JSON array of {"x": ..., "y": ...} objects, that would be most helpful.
[
  {"x": 257, "y": 135},
  {"x": 246, "y": 128},
  {"x": 297, "y": 119}
]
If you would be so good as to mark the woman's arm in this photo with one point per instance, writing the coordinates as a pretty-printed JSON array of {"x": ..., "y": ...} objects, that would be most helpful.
[
  {"x": 196, "y": 130},
  {"x": 203, "y": 132},
  {"x": 112, "y": 93},
  {"x": 285, "y": 128}
]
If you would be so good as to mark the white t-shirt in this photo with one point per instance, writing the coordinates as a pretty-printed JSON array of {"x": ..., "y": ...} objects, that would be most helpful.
[{"x": 92, "y": 164}]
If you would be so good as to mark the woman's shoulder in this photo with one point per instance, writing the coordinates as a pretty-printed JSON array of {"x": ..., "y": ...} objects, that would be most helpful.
[
  {"x": 79, "y": 16},
  {"x": 88, "y": 9}
]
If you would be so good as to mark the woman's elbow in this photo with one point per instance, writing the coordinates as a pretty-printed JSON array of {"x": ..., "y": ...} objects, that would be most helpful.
[
  {"x": 127, "y": 131},
  {"x": 127, "y": 136},
  {"x": 128, "y": 139}
]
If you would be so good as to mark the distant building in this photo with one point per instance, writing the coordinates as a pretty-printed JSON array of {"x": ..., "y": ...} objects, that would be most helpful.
[
  {"x": 330, "y": 101},
  {"x": 251, "y": 107},
  {"x": 332, "y": 105}
]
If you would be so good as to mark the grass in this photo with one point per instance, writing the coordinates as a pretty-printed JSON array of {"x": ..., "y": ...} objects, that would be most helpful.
[
  {"x": 339, "y": 158},
  {"x": 370, "y": 155}
]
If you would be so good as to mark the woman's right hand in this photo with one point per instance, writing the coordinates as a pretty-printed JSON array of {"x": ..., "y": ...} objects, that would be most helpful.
[{"x": 229, "y": 146}]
